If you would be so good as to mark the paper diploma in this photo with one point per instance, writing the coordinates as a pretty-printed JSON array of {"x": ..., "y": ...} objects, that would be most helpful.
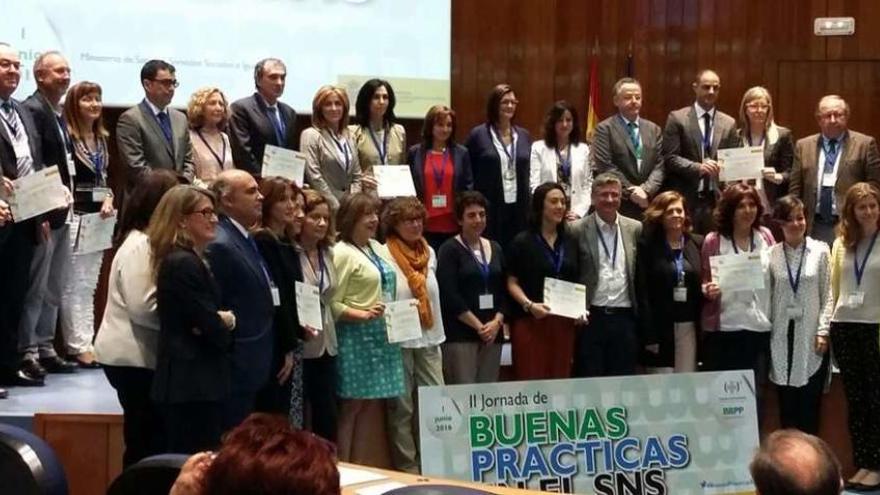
[
  {"x": 308, "y": 305},
  {"x": 37, "y": 193},
  {"x": 394, "y": 181},
  {"x": 735, "y": 272},
  {"x": 741, "y": 163},
  {"x": 94, "y": 233},
  {"x": 566, "y": 299},
  {"x": 402, "y": 320},
  {"x": 282, "y": 162}
]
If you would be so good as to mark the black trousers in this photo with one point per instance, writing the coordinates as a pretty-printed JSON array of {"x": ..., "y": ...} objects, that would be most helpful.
[
  {"x": 17, "y": 244},
  {"x": 142, "y": 426},
  {"x": 193, "y": 427},
  {"x": 608, "y": 346},
  {"x": 319, "y": 391},
  {"x": 799, "y": 406},
  {"x": 856, "y": 349}
]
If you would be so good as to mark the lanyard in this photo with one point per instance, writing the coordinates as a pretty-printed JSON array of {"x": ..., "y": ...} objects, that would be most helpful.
[
  {"x": 565, "y": 163},
  {"x": 795, "y": 281},
  {"x": 678, "y": 261},
  {"x": 609, "y": 255},
  {"x": 321, "y": 268},
  {"x": 343, "y": 148},
  {"x": 440, "y": 175},
  {"x": 382, "y": 150},
  {"x": 509, "y": 153},
  {"x": 751, "y": 243},
  {"x": 860, "y": 270},
  {"x": 749, "y": 138},
  {"x": 482, "y": 264},
  {"x": 216, "y": 157},
  {"x": 554, "y": 255},
  {"x": 373, "y": 259}
]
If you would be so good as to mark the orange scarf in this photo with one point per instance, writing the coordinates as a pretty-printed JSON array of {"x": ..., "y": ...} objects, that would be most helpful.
[{"x": 414, "y": 263}]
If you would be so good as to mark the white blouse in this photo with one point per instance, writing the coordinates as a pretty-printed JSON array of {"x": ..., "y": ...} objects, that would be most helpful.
[
  {"x": 747, "y": 309},
  {"x": 543, "y": 166}
]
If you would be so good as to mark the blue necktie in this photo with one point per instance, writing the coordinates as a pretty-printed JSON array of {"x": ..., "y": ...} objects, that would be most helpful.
[
  {"x": 634, "y": 137},
  {"x": 165, "y": 124},
  {"x": 826, "y": 193},
  {"x": 707, "y": 135},
  {"x": 277, "y": 124}
]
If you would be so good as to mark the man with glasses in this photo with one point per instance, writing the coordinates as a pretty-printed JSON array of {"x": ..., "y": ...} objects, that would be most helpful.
[
  {"x": 152, "y": 134},
  {"x": 827, "y": 164}
]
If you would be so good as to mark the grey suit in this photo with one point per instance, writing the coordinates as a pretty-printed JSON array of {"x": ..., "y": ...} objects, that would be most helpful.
[
  {"x": 143, "y": 145},
  {"x": 613, "y": 151},
  {"x": 325, "y": 172}
]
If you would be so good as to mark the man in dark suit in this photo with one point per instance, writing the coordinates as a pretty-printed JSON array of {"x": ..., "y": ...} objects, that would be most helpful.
[
  {"x": 261, "y": 119},
  {"x": 630, "y": 147},
  {"x": 152, "y": 134},
  {"x": 19, "y": 156},
  {"x": 246, "y": 288},
  {"x": 51, "y": 264},
  {"x": 827, "y": 164},
  {"x": 691, "y": 140}
]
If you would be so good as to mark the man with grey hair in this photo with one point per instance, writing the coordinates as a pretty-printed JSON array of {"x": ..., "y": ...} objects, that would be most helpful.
[
  {"x": 260, "y": 119},
  {"x": 790, "y": 462},
  {"x": 827, "y": 164}
]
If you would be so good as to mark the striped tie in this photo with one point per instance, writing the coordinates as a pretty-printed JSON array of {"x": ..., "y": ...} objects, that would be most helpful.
[{"x": 10, "y": 119}]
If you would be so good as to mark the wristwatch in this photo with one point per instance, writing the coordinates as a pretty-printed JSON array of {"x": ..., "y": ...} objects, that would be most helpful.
[{"x": 527, "y": 306}]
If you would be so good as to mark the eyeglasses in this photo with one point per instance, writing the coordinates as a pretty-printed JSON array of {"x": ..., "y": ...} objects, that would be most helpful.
[
  {"x": 758, "y": 106},
  {"x": 208, "y": 213},
  {"x": 509, "y": 102},
  {"x": 168, "y": 83},
  {"x": 6, "y": 64},
  {"x": 413, "y": 220},
  {"x": 830, "y": 115}
]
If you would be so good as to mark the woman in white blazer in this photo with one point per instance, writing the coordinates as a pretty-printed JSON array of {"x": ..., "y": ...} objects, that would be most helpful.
[{"x": 562, "y": 157}]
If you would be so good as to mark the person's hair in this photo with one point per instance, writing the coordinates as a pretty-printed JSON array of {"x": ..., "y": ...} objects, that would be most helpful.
[
  {"x": 325, "y": 92},
  {"x": 702, "y": 71},
  {"x": 149, "y": 187},
  {"x": 152, "y": 67},
  {"x": 493, "y": 104},
  {"x": 399, "y": 210},
  {"x": 783, "y": 466},
  {"x": 260, "y": 67},
  {"x": 732, "y": 196},
  {"x": 264, "y": 455},
  {"x": 620, "y": 82},
  {"x": 554, "y": 115},
  {"x": 352, "y": 208},
  {"x": 164, "y": 230},
  {"x": 536, "y": 212},
  {"x": 365, "y": 97},
  {"x": 433, "y": 116},
  {"x": 752, "y": 94},
  {"x": 849, "y": 228},
  {"x": 654, "y": 213},
  {"x": 606, "y": 179},
  {"x": 314, "y": 199},
  {"x": 75, "y": 124},
  {"x": 467, "y": 199},
  {"x": 273, "y": 190},
  {"x": 41, "y": 59},
  {"x": 833, "y": 97},
  {"x": 785, "y": 207},
  {"x": 196, "y": 109}
]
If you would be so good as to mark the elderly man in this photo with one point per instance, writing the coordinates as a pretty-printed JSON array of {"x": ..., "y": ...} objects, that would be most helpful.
[{"x": 790, "y": 461}]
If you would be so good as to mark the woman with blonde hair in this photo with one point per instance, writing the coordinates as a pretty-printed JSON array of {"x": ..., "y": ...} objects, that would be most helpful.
[{"x": 208, "y": 114}]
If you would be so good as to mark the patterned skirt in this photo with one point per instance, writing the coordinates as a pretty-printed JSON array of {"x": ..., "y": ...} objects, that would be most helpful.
[{"x": 368, "y": 366}]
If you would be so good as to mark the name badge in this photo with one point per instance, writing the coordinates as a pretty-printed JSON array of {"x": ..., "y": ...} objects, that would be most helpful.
[
  {"x": 99, "y": 193},
  {"x": 71, "y": 167},
  {"x": 487, "y": 301},
  {"x": 438, "y": 201},
  {"x": 828, "y": 180},
  {"x": 855, "y": 299},
  {"x": 509, "y": 196},
  {"x": 680, "y": 294},
  {"x": 794, "y": 311},
  {"x": 276, "y": 296}
]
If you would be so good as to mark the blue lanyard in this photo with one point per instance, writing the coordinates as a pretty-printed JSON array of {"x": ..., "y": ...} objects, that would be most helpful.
[
  {"x": 749, "y": 138},
  {"x": 554, "y": 255},
  {"x": 860, "y": 270},
  {"x": 511, "y": 153},
  {"x": 677, "y": 260},
  {"x": 482, "y": 264},
  {"x": 609, "y": 255},
  {"x": 374, "y": 258},
  {"x": 751, "y": 243},
  {"x": 795, "y": 281},
  {"x": 565, "y": 163},
  {"x": 382, "y": 150},
  {"x": 440, "y": 175},
  {"x": 343, "y": 148}
]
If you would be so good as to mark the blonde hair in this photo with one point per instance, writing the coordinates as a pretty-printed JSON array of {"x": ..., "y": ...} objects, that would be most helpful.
[
  {"x": 164, "y": 231},
  {"x": 848, "y": 228},
  {"x": 325, "y": 92},
  {"x": 196, "y": 109},
  {"x": 770, "y": 128}
]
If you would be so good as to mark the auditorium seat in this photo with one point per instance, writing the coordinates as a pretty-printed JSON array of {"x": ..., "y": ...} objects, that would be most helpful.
[
  {"x": 149, "y": 476},
  {"x": 28, "y": 466}
]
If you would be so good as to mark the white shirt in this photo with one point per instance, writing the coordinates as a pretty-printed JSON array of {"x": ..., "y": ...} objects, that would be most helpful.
[
  {"x": 749, "y": 309},
  {"x": 832, "y": 177},
  {"x": 156, "y": 110},
  {"x": 700, "y": 112},
  {"x": 611, "y": 289},
  {"x": 508, "y": 169}
]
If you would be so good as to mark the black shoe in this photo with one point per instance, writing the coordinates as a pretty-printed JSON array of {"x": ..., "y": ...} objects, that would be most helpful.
[
  {"x": 32, "y": 368},
  {"x": 861, "y": 487},
  {"x": 55, "y": 364},
  {"x": 3, "y": 393},
  {"x": 20, "y": 379}
]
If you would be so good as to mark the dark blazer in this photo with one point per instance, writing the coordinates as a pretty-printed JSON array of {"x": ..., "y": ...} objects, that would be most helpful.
[
  {"x": 462, "y": 175},
  {"x": 8, "y": 159},
  {"x": 142, "y": 144},
  {"x": 282, "y": 259},
  {"x": 655, "y": 281},
  {"x": 193, "y": 358},
  {"x": 236, "y": 265},
  {"x": 251, "y": 130},
  {"x": 778, "y": 155},
  {"x": 55, "y": 147},
  {"x": 613, "y": 150}
]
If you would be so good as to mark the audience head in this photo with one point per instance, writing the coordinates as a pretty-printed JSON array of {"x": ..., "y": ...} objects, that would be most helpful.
[
  {"x": 159, "y": 82},
  {"x": 375, "y": 101},
  {"x": 628, "y": 97},
  {"x": 756, "y": 108},
  {"x": 264, "y": 455},
  {"x": 84, "y": 110},
  {"x": 560, "y": 122},
  {"x": 358, "y": 218},
  {"x": 185, "y": 217},
  {"x": 282, "y": 206},
  {"x": 790, "y": 462},
  {"x": 404, "y": 218},
  {"x": 606, "y": 196},
  {"x": 706, "y": 86},
  {"x": 238, "y": 197},
  {"x": 470, "y": 211},
  {"x": 740, "y": 208},
  {"x": 330, "y": 108},
  {"x": 501, "y": 105},
  {"x": 788, "y": 212},
  {"x": 439, "y": 126},
  {"x": 208, "y": 107},
  {"x": 318, "y": 226},
  {"x": 270, "y": 75},
  {"x": 832, "y": 113},
  {"x": 10, "y": 70},
  {"x": 549, "y": 206},
  {"x": 149, "y": 187},
  {"x": 860, "y": 213},
  {"x": 52, "y": 74},
  {"x": 667, "y": 213}
]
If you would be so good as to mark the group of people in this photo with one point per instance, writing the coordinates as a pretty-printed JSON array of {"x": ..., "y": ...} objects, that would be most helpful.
[{"x": 201, "y": 325}]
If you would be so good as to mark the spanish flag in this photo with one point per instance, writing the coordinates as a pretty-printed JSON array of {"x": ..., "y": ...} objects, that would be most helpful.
[{"x": 593, "y": 99}]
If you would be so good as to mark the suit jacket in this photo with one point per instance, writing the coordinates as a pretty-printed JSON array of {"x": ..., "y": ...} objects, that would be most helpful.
[
  {"x": 462, "y": 176},
  {"x": 282, "y": 260},
  {"x": 779, "y": 155},
  {"x": 586, "y": 231},
  {"x": 237, "y": 267},
  {"x": 682, "y": 148},
  {"x": 859, "y": 162},
  {"x": 543, "y": 167},
  {"x": 192, "y": 363},
  {"x": 55, "y": 148},
  {"x": 613, "y": 151},
  {"x": 142, "y": 144},
  {"x": 324, "y": 170},
  {"x": 251, "y": 130},
  {"x": 8, "y": 159}
]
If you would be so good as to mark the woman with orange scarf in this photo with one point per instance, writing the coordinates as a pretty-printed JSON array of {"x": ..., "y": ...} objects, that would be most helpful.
[{"x": 414, "y": 261}]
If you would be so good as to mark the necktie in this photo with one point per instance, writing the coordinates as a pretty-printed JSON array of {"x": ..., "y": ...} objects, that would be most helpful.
[
  {"x": 826, "y": 193},
  {"x": 277, "y": 124},
  {"x": 64, "y": 133},
  {"x": 634, "y": 137},
  {"x": 10, "y": 118},
  {"x": 165, "y": 124},
  {"x": 707, "y": 135}
]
